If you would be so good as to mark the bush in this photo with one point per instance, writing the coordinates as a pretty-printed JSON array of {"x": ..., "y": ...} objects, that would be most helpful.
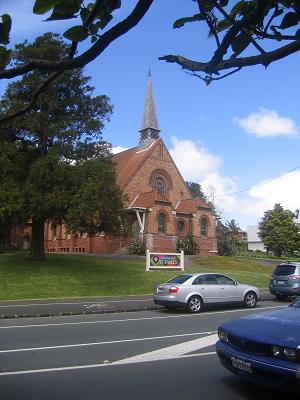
[
  {"x": 136, "y": 247},
  {"x": 188, "y": 245}
]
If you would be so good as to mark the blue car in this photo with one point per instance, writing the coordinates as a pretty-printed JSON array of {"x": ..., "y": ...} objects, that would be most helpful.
[{"x": 264, "y": 348}]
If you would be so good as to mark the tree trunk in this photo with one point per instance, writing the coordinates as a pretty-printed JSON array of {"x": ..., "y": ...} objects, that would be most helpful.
[{"x": 37, "y": 250}]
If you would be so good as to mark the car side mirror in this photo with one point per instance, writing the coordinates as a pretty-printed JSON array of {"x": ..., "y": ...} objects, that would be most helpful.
[{"x": 236, "y": 283}]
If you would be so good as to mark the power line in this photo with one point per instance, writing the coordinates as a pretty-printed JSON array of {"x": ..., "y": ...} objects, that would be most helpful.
[{"x": 259, "y": 184}]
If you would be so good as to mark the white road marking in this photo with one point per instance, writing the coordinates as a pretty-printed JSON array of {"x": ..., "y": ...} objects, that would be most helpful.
[
  {"x": 101, "y": 343},
  {"x": 171, "y": 351},
  {"x": 252, "y": 310},
  {"x": 78, "y": 367},
  {"x": 115, "y": 363}
]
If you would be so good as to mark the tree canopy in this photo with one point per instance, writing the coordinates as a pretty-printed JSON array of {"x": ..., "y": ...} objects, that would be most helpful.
[
  {"x": 243, "y": 33},
  {"x": 278, "y": 231},
  {"x": 196, "y": 190},
  {"x": 54, "y": 164}
]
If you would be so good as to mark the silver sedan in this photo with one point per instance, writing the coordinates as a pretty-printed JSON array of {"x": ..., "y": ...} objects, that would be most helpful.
[{"x": 192, "y": 291}]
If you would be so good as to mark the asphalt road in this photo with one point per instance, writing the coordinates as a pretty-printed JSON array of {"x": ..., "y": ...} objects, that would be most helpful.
[
  {"x": 73, "y": 306},
  {"x": 141, "y": 355}
]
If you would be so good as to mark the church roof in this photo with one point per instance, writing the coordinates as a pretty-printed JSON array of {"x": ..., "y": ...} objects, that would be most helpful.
[
  {"x": 147, "y": 200},
  {"x": 188, "y": 206},
  {"x": 129, "y": 161}
]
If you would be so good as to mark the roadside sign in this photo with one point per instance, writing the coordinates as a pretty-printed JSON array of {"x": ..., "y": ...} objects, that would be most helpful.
[{"x": 164, "y": 261}]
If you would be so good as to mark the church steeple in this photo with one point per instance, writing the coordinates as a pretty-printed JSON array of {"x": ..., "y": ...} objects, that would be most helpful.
[{"x": 149, "y": 129}]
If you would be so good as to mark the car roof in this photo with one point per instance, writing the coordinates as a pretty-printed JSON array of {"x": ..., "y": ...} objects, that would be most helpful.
[{"x": 287, "y": 263}]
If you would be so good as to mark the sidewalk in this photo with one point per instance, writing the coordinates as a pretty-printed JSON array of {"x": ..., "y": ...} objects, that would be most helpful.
[{"x": 81, "y": 306}]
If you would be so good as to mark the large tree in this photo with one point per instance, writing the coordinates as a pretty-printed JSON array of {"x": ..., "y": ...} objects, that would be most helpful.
[
  {"x": 196, "y": 190},
  {"x": 243, "y": 33},
  {"x": 278, "y": 231},
  {"x": 54, "y": 164}
]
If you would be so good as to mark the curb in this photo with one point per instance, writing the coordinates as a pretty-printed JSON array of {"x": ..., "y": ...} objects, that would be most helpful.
[
  {"x": 70, "y": 313},
  {"x": 88, "y": 312}
]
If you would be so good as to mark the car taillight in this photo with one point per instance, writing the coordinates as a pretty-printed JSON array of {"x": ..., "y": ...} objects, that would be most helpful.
[
  {"x": 295, "y": 278},
  {"x": 173, "y": 289}
]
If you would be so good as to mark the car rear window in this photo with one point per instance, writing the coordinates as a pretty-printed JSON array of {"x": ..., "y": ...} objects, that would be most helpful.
[
  {"x": 180, "y": 279},
  {"x": 284, "y": 270}
]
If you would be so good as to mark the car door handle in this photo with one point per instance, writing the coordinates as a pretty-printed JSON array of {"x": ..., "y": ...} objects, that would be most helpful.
[{"x": 222, "y": 288}]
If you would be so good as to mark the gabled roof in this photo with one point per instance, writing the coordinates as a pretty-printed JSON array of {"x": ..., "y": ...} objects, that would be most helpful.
[
  {"x": 129, "y": 161},
  {"x": 148, "y": 200},
  {"x": 190, "y": 206}
]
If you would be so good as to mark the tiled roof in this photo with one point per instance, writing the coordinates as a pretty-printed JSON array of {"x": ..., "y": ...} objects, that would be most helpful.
[
  {"x": 128, "y": 162},
  {"x": 189, "y": 206},
  {"x": 149, "y": 199}
]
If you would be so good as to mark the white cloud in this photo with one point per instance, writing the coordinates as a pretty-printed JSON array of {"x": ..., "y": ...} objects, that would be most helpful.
[
  {"x": 197, "y": 164},
  {"x": 193, "y": 162},
  {"x": 284, "y": 190},
  {"x": 267, "y": 123},
  {"x": 118, "y": 149}
]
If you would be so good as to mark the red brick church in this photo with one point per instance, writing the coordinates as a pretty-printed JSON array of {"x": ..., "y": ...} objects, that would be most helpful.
[{"x": 160, "y": 204}]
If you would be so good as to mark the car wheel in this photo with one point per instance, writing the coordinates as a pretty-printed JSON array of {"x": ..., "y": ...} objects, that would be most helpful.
[
  {"x": 250, "y": 300},
  {"x": 194, "y": 304}
]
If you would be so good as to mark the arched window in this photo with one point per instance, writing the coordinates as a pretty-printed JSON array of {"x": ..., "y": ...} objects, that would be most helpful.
[
  {"x": 180, "y": 226},
  {"x": 160, "y": 185},
  {"x": 161, "y": 223},
  {"x": 203, "y": 226}
]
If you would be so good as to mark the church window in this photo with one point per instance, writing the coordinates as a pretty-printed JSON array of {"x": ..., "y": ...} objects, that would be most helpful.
[
  {"x": 180, "y": 226},
  {"x": 161, "y": 223},
  {"x": 160, "y": 185},
  {"x": 203, "y": 226}
]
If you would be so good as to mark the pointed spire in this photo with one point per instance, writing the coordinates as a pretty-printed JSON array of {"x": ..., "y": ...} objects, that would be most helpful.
[{"x": 149, "y": 128}]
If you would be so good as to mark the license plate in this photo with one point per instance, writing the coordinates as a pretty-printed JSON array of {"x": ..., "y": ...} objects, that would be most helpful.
[
  {"x": 241, "y": 364},
  {"x": 280, "y": 282}
]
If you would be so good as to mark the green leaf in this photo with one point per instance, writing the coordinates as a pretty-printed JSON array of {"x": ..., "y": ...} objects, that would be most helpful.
[
  {"x": 94, "y": 39},
  {"x": 65, "y": 9},
  {"x": 290, "y": 19},
  {"x": 240, "y": 43},
  {"x": 222, "y": 25},
  {"x": 182, "y": 21},
  {"x": 43, "y": 6},
  {"x": 93, "y": 29},
  {"x": 207, "y": 5},
  {"x": 84, "y": 13},
  {"x": 77, "y": 33},
  {"x": 237, "y": 9},
  {"x": 5, "y": 56}
]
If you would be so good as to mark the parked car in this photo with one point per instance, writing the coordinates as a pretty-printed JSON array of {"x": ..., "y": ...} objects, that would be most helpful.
[
  {"x": 264, "y": 348},
  {"x": 285, "y": 280},
  {"x": 193, "y": 291}
]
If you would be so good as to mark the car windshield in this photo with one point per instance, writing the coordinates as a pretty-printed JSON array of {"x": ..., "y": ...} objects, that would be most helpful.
[
  {"x": 180, "y": 279},
  {"x": 296, "y": 303},
  {"x": 284, "y": 270}
]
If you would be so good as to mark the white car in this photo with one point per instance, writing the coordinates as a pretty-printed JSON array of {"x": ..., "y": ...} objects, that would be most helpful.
[{"x": 192, "y": 291}]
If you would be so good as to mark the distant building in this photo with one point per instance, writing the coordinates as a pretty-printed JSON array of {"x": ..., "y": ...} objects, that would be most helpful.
[
  {"x": 160, "y": 207},
  {"x": 254, "y": 241},
  {"x": 242, "y": 236}
]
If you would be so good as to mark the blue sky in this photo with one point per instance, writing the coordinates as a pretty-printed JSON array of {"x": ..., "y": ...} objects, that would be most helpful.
[{"x": 237, "y": 133}]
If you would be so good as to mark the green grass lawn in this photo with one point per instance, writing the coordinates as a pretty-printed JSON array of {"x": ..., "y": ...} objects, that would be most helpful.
[{"x": 78, "y": 276}]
